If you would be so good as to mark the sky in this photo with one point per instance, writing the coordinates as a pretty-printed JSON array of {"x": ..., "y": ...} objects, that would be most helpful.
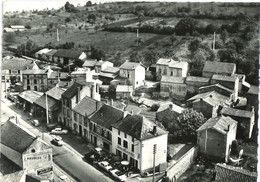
[{"x": 20, "y": 5}]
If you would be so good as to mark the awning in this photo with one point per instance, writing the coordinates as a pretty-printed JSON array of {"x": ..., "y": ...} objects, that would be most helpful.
[{"x": 125, "y": 163}]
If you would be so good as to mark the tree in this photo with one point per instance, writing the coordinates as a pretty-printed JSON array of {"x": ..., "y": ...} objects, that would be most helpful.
[
  {"x": 9, "y": 37},
  {"x": 189, "y": 121},
  {"x": 224, "y": 35},
  {"x": 185, "y": 26},
  {"x": 68, "y": 19},
  {"x": 89, "y": 3},
  {"x": 155, "y": 107},
  {"x": 91, "y": 17},
  {"x": 248, "y": 32},
  {"x": 173, "y": 38},
  {"x": 27, "y": 49},
  {"x": 194, "y": 45},
  {"x": 96, "y": 28},
  {"x": 97, "y": 53}
]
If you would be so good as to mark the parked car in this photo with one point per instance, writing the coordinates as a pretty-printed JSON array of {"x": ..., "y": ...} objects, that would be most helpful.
[
  {"x": 57, "y": 141},
  {"x": 132, "y": 175},
  {"x": 59, "y": 131},
  {"x": 105, "y": 165},
  {"x": 118, "y": 174},
  {"x": 35, "y": 122},
  {"x": 52, "y": 126}
]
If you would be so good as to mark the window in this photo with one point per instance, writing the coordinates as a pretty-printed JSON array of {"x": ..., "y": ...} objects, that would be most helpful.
[
  {"x": 118, "y": 132},
  {"x": 133, "y": 148},
  {"x": 28, "y": 81},
  {"x": 35, "y": 81},
  {"x": 33, "y": 150},
  {"x": 75, "y": 116},
  {"x": 118, "y": 152},
  {"x": 64, "y": 111},
  {"x": 102, "y": 132},
  {"x": 124, "y": 156},
  {"x": 128, "y": 75},
  {"x": 28, "y": 87},
  {"x": 133, "y": 139},
  {"x": 35, "y": 88},
  {"x": 171, "y": 73},
  {"x": 125, "y": 144},
  {"x": 119, "y": 141},
  {"x": 125, "y": 135}
]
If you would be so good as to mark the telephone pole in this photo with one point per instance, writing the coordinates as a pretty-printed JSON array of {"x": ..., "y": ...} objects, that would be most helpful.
[
  {"x": 214, "y": 40},
  {"x": 154, "y": 152}
]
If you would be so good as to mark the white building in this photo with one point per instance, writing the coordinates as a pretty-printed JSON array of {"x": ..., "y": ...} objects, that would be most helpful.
[{"x": 134, "y": 138}]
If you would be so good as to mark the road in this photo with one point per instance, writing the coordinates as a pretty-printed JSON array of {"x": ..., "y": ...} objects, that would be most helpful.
[{"x": 65, "y": 157}]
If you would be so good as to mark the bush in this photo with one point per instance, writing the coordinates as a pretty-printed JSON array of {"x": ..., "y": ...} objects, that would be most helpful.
[{"x": 155, "y": 107}]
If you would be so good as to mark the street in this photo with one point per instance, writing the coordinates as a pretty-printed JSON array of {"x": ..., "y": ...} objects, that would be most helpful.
[{"x": 64, "y": 157}]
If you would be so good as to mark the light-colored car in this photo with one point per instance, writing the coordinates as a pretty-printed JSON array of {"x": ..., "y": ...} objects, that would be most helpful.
[
  {"x": 118, "y": 174},
  {"x": 35, "y": 122},
  {"x": 57, "y": 141},
  {"x": 59, "y": 131},
  {"x": 105, "y": 165}
]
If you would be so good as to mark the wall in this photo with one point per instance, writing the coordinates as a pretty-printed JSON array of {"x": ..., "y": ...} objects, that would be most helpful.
[
  {"x": 231, "y": 135},
  {"x": 139, "y": 76},
  {"x": 203, "y": 107},
  {"x": 12, "y": 155},
  {"x": 225, "y": 173},
  {"x": 175, "y": 171},
  {"x": 147, "y": 152},
  {"x": 193, "y": 87},
  {"x": 41, "y": 82},
  {"x": 174, "y": 90}
]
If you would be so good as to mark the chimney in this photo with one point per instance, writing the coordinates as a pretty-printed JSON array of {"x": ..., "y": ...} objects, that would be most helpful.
[
  {"x": 78, "y": 94},
  {"x": 201, "y": 99},
  {"x": 154, "y": 130},
  {"x": 170, "y": 106},
  {"x": 228, "y": 127},
  {"x": 210, "y": 96}
]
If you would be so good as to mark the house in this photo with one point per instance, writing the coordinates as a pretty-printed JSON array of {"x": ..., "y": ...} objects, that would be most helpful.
[
  {"x": 241, "y": 82},
  {"x": 193, "y": 83},
  {"x": 101, "y": 65},
  {"x": 81, "y": 114},
  {"x": 26, "y": 100},
  {"x": 135, "y": 138},
  {"x": 244, "y": 118},
  {"x": 173, "y": 87},
  {"x": 67, "y": 56},
  {"x": 108, "y": 74},
  {"x": 219, "y": 68},
  {"x": 208, "y": 102},
  {"x": 168, "y": 112},
  {"x": 26, "y": 150},
  {"x": 54, "y": 105},
  {"x": 228, "y": 173},
  {"x": 35, "y": 80},
  {"x": 215, "y": 136},
  {"x": 13, "y": 67},
  {"x": 124, "y": 91},
  {"x": 169, "y": 67},
  {"x": 48, "y": 56},
  {"x": 39, "y": 54},
  {"x": 89, "y": 63},
  {"x": 220, "y": 89},
  {"x": 132, "y": 73},
  {"x": 55, "y": 77},
  {"x": 72, "y": 96},
  {"x": 100, "y": 126}
]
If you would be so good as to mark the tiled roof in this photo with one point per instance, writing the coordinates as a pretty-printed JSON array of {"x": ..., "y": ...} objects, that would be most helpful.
[
  {"x": 224, "y": 78},
  {"x": 129, "y": 65},
  {"x": 178, "y": 64},
  {"x": 89, "y": 63},
  {"x": 30, "y": 96},
  {"x": 16, "y": 63},
  {"x": 164, "y": 61},
  {"x": 138, "y": 127},
  {"x": 197, "y": 79},
  {"x": 228, "y": 173},
  {"x": 16, "y": 137},
  {"x": 175, "y": 107},
  {"x": 34, "y": 72},
  {"x": 219, "y": 67},
  {"x": 253, "y": 90},
  {"x": 14, "y": 177},
  {"x": 124, "y": 88},
  {"x": 55, "y": 93},
  {"x": 109, "y": 75},
  {"x": 111, "y": 70},
  {"x": 72, "y": 90},
  {"x": 53, "y": 104},
  {"x": 68, "y": 53},
  {"x": 87, "y": 106},
  {"x": 219, "y": 124},
  {"x": 50, "y": 53},
  {"x": 236, "y": 112},
  {"x": 217, "y": 85},
  {"x": 213, "y": 101},
  {"x": 172, "y": 79},
  {"x": 42, "y": 51},
  {"x": 107, "y": 115}
]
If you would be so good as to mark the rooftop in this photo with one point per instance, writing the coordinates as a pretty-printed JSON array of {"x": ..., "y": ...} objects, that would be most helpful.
[
  {"x": 73, "y": 89},
  {"x": 172, "y": 79},
  {"x": 124, "y": 88},
  {"x": 130, "y": 65},
  {"x": 220, "y": 124},
  {"x": 107, "y": 115},
  {"x": 217, "y": 85},
  {"x": 51, "y": 52},
  {"x": 237, "y": 112},
  {"x": 34, "y": 72},
  {"x": 88, "y": 63},
  {"x": 197, "y": 79},
  {"x": 87, "y": 106},
  {"x": 164, "y": 61},
  {"x": 219, "y": 67},
  {"x": 139, "y": 127},
  {"x": 53, "y": 104},
  {"x": 55, "y": 93},
  {"x": 174, "y": 107},
  {"x": 178, "y": 64},
  {"x": 30, "y": 96},
  {"x": 42, "y": 51},
  {"x": 253, "y": 90},
  {"x": 68, "y": 53},
  {"x": 224, "y": 78},
  {"x": 16, "y": 137},
  {"x": 109, "y": 75},
  {"x": 111, "y": 70}
]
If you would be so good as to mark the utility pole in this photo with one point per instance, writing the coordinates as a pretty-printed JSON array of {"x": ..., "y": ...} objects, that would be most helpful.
[
  {"x": 154, "y": 152},
  {"x": 47, "y": 116},
  {"x": 5, "y": 88},
  {"x": 25, "y": 49},
  {"x": 137, "y": 36},
  {"x": 58, "y": 39}
]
